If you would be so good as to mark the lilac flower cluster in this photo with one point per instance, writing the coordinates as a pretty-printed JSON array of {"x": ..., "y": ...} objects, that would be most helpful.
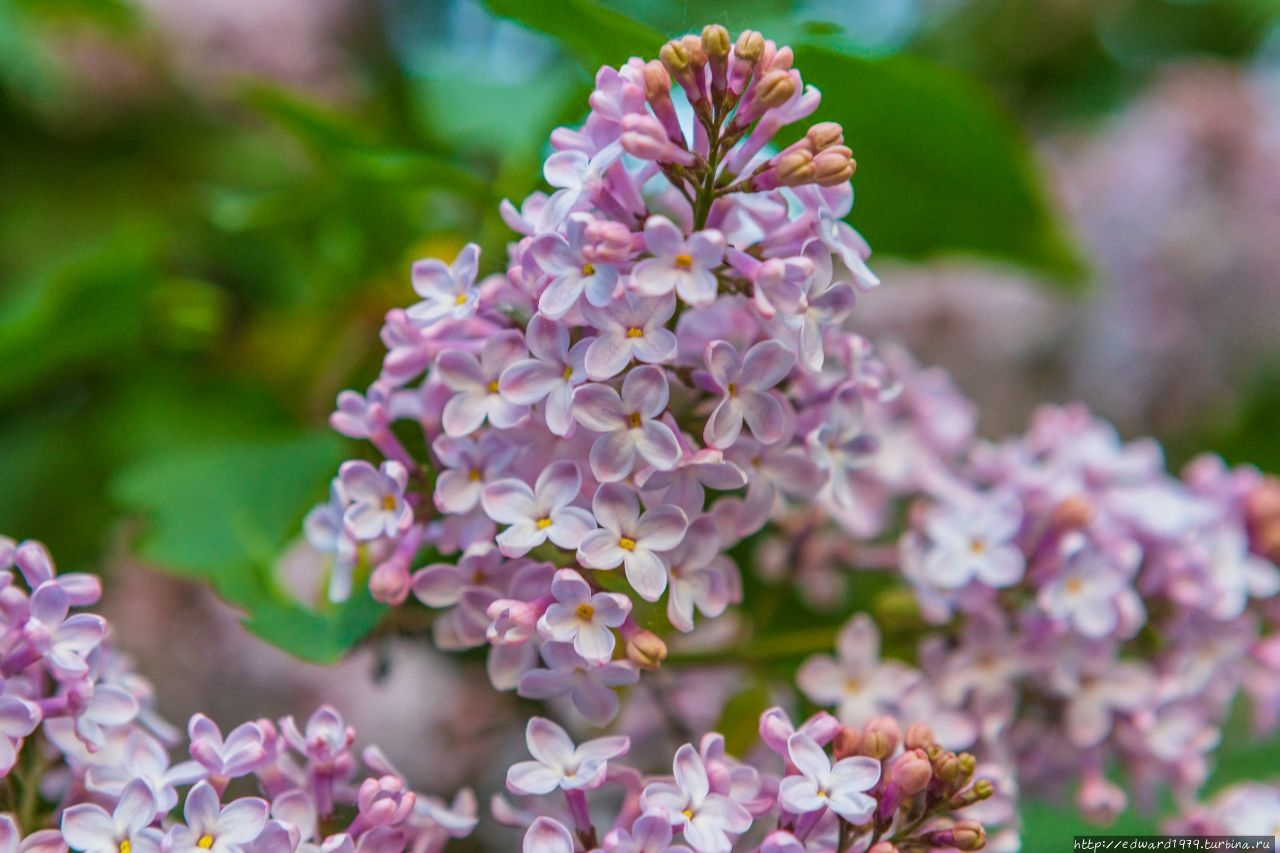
[
  {"x": 660, "y": 370},
  {"x": 86, "y": 762},
  {"x": 838, "y": 789}
]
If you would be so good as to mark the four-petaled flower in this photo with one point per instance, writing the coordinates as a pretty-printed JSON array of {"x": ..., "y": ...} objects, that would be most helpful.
[
  {"x": 559, "y": 764},
  {"x": 377, "y": 504},
  {"x": 541, "y": 513},
  {"x": 685, "y": 265},
  {"x": 89, "y": 828},
  {"x": 582, "y": 618},
  {"x": 553, "y": 373},
  {"x": 573, "y": 274},
  {"x": 970, "y": 543},
  {"x": 475, "y": 385},
  {"x": 212, "y": 826},
  {"x": 630, "y": 327},
  {"x": 446, "y": 291},
  {"x": 707, "y": 819},
  {"x": 627, "y": 538},
  {"x": 841, "y": 788},
  {"x": 745, "y": 384},
  {"x": 629, "y": 423}
]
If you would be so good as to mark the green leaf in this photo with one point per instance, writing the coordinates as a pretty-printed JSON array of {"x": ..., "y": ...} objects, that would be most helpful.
[
  {"x": 941, "y": 168},
  {"x": 224, "y": 515},
  {"x": 594, "y": 34}
]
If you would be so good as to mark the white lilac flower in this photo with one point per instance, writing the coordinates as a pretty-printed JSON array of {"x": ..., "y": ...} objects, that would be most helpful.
[
  {"x": 628, "y": 423},
  {"x": 841, "y": 787},
  {"x": 860, "y": 684},
  {"x": 376, "y": 503},
  {"x": 542, "y": 513},
  {"x": 707, "y": 819},
  {"x": 974, "y": 543},
  {"x": 215, "y": 827},
  {"x": 551, "y": 376},
  {"x": 684, "y": 265},
  {"x": 583, "y": 618},
  {"x": 90, "y": 828},
  {"x": 632, "y": 540},
  {"x": 746, "y": 384},
  {"x": 446, "y": 291},
  {"x": 560, "y": 764}
]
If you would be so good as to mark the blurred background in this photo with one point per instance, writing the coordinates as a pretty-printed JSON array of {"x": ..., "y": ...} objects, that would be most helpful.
[{"x": 206, "y": 206}]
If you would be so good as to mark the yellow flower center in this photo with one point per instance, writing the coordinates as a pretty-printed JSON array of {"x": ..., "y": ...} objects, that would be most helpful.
[
  {"x": 460, "y": 299},
  {"x": 475, "y": 475},
  {"x": 684, "y": 262},
  {"x": 205, "y": 842},
  {"x": 388, "y": 502},
  {"x": 688, "y": 814},
  {"x": 588, "y": 268},
  {"x": 732, "y": 389},
  {"x": 1074, "y": 586},
  {"x": 493, "y": 387},
  {"x": 543, "y": 523},
  {"x": 977, "y": 547},
  {"x": 634, "y": 419},
  {"x": 627, "y": 544},
  {"x": 852, "y": 685},
  {"x": 585, "y": 612},
  {"x": 635, "y": 332},
  {"x": 126, "y": 846},
  {"x": 568, "y": 372}
]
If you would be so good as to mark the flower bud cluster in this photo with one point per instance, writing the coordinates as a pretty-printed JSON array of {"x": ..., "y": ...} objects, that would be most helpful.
[
  {"x": 658, "y": 373},
  {"x": 82, "y": 749},
  {"x": 837, "y": 789}
]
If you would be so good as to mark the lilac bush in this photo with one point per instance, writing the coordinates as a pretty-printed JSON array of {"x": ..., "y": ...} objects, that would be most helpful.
[{"x": 656, "y": 398}]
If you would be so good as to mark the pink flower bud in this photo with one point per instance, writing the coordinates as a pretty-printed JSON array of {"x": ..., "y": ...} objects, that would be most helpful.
[
  {"x": 965, "y": 835},
  {"x": 833, "y": 167},
  {"x": 390, "y": 583},
  {"x": 1071, "y": 513},
  {"x": 847, "y": 742},
  {"x": 384, "y": 801},
  {"x": 1100, "y": 801},
  {"x": 774, "y": 89},
  {"x": 912, "y": 771},
  {"x": 825, "y": 134},
  {"x": 880, "y": 737},
  {"x": 646, "y": 650},
  {"x": 918, "y": 736}
]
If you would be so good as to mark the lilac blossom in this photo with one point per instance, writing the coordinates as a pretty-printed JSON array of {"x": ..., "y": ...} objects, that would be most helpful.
[
  {"x": 587, "y": 684},
  {"x": 89, "y": 827},
  {"x": 541, "y": 513},
  {"x": 841, "y": 787},
  {"x": 551, "y": 376},
  {"x": 573, "y": 269},
  {"x": 632, "y": 540},
  {"x": 477, "y": 397},
  {"x": 859, "y": 683},
  {"x": 745, "y": 383},
  {"x": 685, "y": 265},
  {"x": 628, "y": 423},
  {"x": 448, "y": 292},
  {"x": 581, "y": 618},
  {"x": 631, "y": 328},
  {"x": 560, "y": 764},
  {"x": 376, "y": 505},
  {"x": 706, "y": 819},
  {"x": 970, "y": 543},
  {"x": 213, "y": 826}
]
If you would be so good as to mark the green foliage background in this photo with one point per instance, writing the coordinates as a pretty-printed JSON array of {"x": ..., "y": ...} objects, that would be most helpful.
[{"x": 185, "y": 284}]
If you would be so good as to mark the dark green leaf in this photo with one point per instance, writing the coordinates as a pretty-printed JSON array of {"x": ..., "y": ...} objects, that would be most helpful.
[
  {"x": 941, "y": 169},
  {"x": 594, "y": 34},
  {"x": 225, "y": 514}
]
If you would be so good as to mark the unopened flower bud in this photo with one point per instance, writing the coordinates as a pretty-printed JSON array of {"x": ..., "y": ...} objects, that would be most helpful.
[
  {"x": 715, "y": 41},
  {"x": 1100, "y": 801},
  {"x": 1262, "y": 517},
  {"x": 847, "y": 741},
  {"x": 883, "y": 847},
  {"x": 795, "y": 168},
  {"x": 824, "y": 134},
  {"x": 697, "y": 56},
  {"x": 657, "y": 81},
  {"x": 880, "y": 737},
  {"x": 918, "y": 736},
  {"x": 384, "y": 801},
  {"x": 981, "y": 790},
  {"x": 1071, "y": 513},
  {"x": 946, "y": 765},
  {"x": 833, "y": 167},
  {"x": 749, "y": 46},
  {"x": 675, "y": 58},
  {"x": 774, "y": 89},
  {"x": 912, "y": 771},
  {"x": 390, "y": 583},
  {"x": 965, "y": 835},
  {"x": 646, "y": 650}
]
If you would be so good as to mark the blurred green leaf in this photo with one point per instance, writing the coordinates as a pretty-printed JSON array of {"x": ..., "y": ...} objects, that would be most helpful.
[
  {"x": 941, "y": 168},
  {"x": 225, "y": 514},
  {"x": 593, "y": 33}
]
